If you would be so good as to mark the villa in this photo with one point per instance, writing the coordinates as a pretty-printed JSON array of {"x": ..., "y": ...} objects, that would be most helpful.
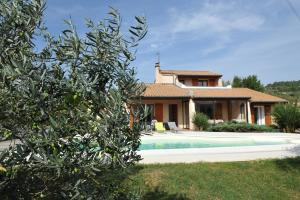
[{"x": 177, "y": 94}]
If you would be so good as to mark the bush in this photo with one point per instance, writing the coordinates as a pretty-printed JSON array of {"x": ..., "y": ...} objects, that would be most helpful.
[
  {"x": 287, "y": 117},
  {"x": 201, "y": 121},
  {"x": 240, "y": 127}
]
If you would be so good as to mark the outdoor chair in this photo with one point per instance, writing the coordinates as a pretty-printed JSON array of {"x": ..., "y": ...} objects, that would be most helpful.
[
  {"x": 148, "y": 129},
  {"x": 173, "y": 126},
  {"x": 166, "y": 125},
  {"x": 159, "y": 127}
]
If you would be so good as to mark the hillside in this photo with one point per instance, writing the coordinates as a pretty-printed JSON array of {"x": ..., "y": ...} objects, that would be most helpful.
[{"x": 289, "y": 90}]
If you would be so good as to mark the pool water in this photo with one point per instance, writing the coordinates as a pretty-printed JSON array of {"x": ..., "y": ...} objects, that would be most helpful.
[{"x": 197, "y": 142}]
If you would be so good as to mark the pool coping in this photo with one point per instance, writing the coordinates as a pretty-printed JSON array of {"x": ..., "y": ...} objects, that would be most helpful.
[{"x": 222, "y": 154}]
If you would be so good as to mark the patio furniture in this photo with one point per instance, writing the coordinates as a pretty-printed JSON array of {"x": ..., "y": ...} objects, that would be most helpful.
[
  {"x": 159, "y": 127},
  {"x": 173, "y": 126},
  {"x": 148, "y": 129},
  {"x": 166, "y": 125}
]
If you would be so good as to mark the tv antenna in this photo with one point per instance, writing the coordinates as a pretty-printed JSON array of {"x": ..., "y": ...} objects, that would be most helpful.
[{"x": 158, "y": 57}]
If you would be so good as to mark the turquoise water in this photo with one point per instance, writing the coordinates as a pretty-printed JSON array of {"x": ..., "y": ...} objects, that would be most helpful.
[{"x": 183, "y": 143}]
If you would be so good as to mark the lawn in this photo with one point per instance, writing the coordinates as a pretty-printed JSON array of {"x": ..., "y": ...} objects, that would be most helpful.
[{"x": 270, "y": 179}]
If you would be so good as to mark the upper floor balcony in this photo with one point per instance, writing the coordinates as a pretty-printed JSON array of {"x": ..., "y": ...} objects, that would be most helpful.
[
  {"x": 202, "y": 84},
  {"x": 188, "y": 78}
]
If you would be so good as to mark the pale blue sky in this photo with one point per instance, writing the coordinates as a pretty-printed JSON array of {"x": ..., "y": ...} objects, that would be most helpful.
[{"x": 232, "y": 37}]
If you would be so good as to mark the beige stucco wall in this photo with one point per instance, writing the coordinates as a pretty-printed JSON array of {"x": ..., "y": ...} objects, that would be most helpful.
[
  {"x": 166, "y": 79},
  {"x": 161, "y": 78},
  {"x": 166, "y": 109},
  {"x": 220, "y": 82},
  {"x": 236, "y": 109},
  {"x": 224, "y": 110}
]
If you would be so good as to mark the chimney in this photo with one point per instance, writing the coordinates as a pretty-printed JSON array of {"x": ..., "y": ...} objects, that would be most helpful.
[{"x": 157, "y": 72}]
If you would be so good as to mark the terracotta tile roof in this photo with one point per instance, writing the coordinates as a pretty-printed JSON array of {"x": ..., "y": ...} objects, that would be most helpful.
[
  {"x": 221, "y": 93},
  {"x": 190, "y": 73},
  {"x": 165, "y": 90},
  {"x": 261, "y": 97},
  {"x": 170, "y": 90}
]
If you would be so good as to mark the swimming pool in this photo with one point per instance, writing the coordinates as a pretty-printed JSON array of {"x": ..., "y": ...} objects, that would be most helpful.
[
  {"x": 194, "y": 146},
  {"x": 198, "y": 142}
]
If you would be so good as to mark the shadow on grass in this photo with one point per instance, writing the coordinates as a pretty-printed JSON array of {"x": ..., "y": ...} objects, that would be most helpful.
[
  {"x": 289, "y": 164},
  {"x": 162, "y": 195}
]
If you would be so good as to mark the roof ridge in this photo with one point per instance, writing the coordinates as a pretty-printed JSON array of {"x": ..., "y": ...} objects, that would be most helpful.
[
  {"x": 185, "y": 70},
  {"x": 189, "y": 72}
]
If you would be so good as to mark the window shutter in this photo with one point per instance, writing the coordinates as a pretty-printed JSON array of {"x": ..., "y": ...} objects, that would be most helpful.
[{"x": 195, "y": 82}]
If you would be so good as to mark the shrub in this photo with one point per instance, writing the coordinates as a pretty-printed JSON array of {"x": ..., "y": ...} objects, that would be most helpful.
[
  {"x": 287, "y": 117},
  {"x": 240, "y": 127},
  {"x": 201, "y": 121}
]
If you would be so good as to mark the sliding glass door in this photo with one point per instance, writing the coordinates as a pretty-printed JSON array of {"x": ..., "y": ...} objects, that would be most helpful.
[{"x": 259, "y": 115}]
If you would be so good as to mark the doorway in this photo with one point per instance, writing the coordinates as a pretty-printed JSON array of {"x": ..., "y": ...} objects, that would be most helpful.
[
  {"x": 159, "y": 112},
  {"x": 173, "y": 113},
  {"x": 259, "y": 115}
]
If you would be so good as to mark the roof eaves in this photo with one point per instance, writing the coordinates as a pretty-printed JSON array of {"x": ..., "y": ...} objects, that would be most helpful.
[
  {"x": 221, "y": 97},
  {"x": 268, "y": 101}
]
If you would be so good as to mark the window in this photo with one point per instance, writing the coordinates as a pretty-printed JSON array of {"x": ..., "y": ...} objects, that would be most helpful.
[
  {"x": 259, "y": 115},
  {"x": 181, "y": 81},
  {"x": 203, "y": 83},
  {"x": 173, "y": 113},
  {"x": 242, "y": 111},
  {"x": 206, "y": 108}
]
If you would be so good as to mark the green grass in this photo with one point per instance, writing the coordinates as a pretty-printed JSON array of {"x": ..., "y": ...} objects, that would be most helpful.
[{"x": 270, "y": 179}]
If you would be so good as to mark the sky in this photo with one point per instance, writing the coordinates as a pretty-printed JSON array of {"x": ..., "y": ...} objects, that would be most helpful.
[{"x": 231, "y": 37}]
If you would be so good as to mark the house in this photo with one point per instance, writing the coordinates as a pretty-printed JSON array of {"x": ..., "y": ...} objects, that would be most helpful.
[{"x": 177, "y": 94}]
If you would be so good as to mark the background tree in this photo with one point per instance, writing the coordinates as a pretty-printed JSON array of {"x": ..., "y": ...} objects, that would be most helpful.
[
  {"x": 68, "y": 104},
  {"x": 289, "y": 90},
  {"x": 251, "y": 82},
  {"x": 237, "y": 82},
  {"x": 226, "y": 83}
]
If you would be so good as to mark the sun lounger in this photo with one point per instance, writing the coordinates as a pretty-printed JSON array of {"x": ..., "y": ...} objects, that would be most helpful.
[
  {"x": 159, "y": 127},
  {"x": 173, "y": 126}
]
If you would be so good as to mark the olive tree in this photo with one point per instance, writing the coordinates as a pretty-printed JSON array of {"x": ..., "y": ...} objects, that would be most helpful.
[{"x": 69, "y": 104}]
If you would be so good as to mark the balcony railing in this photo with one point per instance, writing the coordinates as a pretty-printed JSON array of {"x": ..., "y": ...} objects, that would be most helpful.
[{"x": 181, "y": 85}]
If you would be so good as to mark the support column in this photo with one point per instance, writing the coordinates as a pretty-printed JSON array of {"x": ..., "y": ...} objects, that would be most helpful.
[
  {"x": 249, "y": 113},
  {"x": 192, "y": 111}
]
